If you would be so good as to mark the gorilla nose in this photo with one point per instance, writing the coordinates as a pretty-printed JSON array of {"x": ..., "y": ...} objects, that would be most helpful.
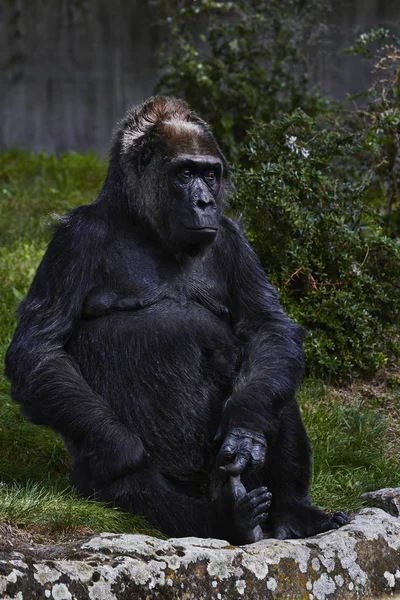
[{"x": 204, "y": 203}]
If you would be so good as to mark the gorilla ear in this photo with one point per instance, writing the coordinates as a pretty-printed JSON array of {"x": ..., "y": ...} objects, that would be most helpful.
[{"x": 144, "y": 159}]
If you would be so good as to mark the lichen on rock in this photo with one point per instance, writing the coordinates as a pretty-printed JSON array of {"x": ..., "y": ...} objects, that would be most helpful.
[{"x": 360, "y": 560}]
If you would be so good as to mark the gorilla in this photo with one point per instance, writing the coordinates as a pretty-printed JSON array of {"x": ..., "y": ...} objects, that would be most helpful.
[{"x": 151, "y": 341}]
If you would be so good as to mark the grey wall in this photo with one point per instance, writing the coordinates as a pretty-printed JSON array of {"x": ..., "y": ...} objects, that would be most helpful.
[{"x": 70, "y": 68}]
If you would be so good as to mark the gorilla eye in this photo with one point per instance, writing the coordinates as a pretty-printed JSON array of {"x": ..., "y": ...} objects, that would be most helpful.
[
  {"x": 185, "y": 174},
  {"x": 210, "y": 176}
]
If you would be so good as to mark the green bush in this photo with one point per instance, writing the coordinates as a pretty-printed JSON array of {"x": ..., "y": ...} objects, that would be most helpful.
[
  {"x": 321, "y": 242},
  {"x": 379, "y": 122}
]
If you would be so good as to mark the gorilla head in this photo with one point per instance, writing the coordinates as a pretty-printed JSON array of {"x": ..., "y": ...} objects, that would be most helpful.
[{"x": 174, "y": 175}]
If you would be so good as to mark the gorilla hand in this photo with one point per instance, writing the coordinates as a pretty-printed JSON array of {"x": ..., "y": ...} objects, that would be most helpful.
[
  {"x": 102, "y": 461},
  {"x": 242, "y": 449}
]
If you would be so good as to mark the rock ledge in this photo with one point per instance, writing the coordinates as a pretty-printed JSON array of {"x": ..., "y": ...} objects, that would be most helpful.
[{"x": 361, "y": 560}]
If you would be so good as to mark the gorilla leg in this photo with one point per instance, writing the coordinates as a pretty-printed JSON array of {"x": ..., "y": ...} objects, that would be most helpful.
[
  {"x": 150, "y": 494},
  {"x": 288, "y": 470},
  {"x": 287, "y": 474}
]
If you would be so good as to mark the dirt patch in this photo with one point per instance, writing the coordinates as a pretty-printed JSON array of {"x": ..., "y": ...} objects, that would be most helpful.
[{"x": 13, "y": 538}]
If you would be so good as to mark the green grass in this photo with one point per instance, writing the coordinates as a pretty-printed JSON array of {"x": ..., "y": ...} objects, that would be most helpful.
[
  {"x": 353, "y": 451},
  {"x": 352, "y": 439},
  {"x": 47, "y": 507}
]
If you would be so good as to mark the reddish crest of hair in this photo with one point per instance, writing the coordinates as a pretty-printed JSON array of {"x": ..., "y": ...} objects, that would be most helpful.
[
  {"x": 173, "y": 121},
  {"x": 181, "y": 127},
  {"x": 161, "y": 108}
]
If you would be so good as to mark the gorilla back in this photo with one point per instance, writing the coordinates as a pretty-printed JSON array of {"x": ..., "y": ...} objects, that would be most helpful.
[{"x": 151, "y": 341}]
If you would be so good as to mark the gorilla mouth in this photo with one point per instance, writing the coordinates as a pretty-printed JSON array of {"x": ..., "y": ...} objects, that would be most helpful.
[{"x": 206, "y": 229}]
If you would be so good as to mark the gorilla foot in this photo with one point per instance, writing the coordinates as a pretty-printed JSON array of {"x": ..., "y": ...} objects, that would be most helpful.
[
  {"x": 249, "y": 510},
  {"x": 305, "y": 521}
]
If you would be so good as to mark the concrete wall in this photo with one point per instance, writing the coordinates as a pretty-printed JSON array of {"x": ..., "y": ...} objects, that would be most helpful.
[{"x": 70, "y": 68}]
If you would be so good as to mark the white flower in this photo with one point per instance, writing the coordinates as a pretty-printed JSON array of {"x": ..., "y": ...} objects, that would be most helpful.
[{"x": 291, "y": 142}]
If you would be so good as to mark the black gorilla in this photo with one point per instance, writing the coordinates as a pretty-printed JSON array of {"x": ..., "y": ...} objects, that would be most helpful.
[{"x": 151, "y": 341}]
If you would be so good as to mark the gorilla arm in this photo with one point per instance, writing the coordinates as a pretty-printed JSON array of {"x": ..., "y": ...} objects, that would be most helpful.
[
  {"x": 45, "y": 380},
  {"x": 271, "y": 364}
]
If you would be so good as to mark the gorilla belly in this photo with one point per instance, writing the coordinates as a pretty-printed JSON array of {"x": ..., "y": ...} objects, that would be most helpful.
[{"x": 166, "y": 370}]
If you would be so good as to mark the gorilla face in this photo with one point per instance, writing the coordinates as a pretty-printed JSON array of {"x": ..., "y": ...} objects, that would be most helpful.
[
  {"x": 194, "y": 184},
  {"x": 175, "y": 174}
]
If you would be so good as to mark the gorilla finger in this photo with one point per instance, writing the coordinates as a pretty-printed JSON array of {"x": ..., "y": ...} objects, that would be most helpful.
[
  {"x": 260, "y": 501},
  {"x": 237, "y": 467},
  {"x": 256, "y": 497},
  {"x": 227, "y": 448},
  {"x": 237, "y": 489},
  {"x": 245, "y": 446},
  {"x": 340, "y": 521},
  {"x": 340, "y": 513},
  {"x": 340, "y": 517},
  {"x": 261, "y": 491},
  {"x": 258, "y": 520},
  {"x": 263, "y": 507},
  {"x": 258, "y": 455},
  {"x": 225, "y": 457}
]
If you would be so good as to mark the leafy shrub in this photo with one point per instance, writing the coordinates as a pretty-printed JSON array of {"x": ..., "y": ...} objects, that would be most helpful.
[
  {"x": 233, "y": 61},
  {"x": 321, "y": 242},
  {"x": 379, "y": 122}
]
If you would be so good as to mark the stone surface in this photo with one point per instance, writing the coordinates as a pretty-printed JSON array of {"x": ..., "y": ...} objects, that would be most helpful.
[
  {"x": 387, "y": 498},
  {"x": 361, "y": 560}
]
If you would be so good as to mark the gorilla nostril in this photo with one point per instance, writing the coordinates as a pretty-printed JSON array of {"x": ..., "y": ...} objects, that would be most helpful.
[{"x": 203, "y": 204}]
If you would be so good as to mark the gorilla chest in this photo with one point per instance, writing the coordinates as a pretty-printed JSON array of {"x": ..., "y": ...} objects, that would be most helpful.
[
  {"x": 159, "y": 291},
  {"x": 158, "y": 326}
]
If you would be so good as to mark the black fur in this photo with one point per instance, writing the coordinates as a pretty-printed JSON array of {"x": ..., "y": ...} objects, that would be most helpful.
[{"x": 151, "y": 341}]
